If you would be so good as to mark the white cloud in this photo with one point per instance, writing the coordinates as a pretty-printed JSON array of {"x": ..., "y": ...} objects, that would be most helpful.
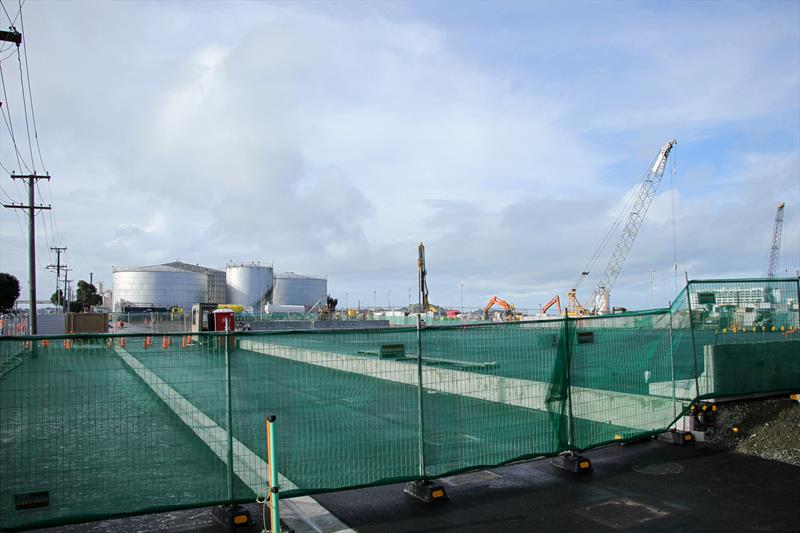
[{"x": 333, "y": 141}]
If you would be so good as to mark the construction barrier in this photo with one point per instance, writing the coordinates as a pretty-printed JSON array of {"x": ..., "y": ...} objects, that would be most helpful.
[{"x": 103, "y": 425}]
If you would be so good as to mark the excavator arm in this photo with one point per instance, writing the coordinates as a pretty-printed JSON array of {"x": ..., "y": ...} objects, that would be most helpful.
[
  {"x": 497, "y": 301},
  {"x": 555, "y": 300}
]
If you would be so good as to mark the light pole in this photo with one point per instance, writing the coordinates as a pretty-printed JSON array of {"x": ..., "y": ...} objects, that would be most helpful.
[
  {"x": 389, "y": 299},
  {"x": 347, "y": 300},
  {"x": 374, "y": 299},
  {"x": 462, "y": 300}
]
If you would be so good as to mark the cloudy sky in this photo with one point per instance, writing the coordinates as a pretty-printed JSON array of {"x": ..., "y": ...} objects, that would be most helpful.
[{"x": 331, "y": 138}]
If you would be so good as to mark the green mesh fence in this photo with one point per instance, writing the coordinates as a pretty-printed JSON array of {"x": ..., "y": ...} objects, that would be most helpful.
[
  {"x": 119, "y": 424},
  {"x": 745, "y": 335}
]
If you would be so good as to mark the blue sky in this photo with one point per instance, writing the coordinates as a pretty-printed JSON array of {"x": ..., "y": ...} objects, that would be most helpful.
[{"x": 332, "y": 137}]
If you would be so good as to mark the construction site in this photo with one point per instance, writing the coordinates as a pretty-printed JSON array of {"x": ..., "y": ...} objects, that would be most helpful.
[
  {"x": 254, "y": 415},
  {"x": 461, "y": 162}
]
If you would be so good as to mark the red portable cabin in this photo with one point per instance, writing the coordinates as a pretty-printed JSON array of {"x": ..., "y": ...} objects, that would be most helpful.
[{"x": 223, "y": 317}]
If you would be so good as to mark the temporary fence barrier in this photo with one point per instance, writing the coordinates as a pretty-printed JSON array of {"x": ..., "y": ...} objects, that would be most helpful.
[{"x": 94, "y": 426}]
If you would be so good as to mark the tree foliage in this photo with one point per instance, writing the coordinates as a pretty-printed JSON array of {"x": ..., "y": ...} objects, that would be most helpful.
[
  {"x": 9, "y": 291},
  {"x": 85, "y": 298},
  {"x": 332, "y": 302},
  {"x": 57, "y": 297}
]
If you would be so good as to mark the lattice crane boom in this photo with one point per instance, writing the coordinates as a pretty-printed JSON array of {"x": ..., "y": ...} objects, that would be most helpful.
[
  {"x": 647, "y": 191},
  {"x": 775, "y": 249}
]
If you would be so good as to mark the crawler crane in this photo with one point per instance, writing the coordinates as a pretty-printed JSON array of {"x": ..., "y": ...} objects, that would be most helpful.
[{"x": 598, "y": 302}]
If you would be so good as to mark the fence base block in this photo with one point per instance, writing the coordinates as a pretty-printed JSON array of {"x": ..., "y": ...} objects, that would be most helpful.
[
  {"x": 570, "y": 462},
  {"x": 680, "y": 438},
  {"x": 426, "y": 491},
  {"x": 232, "y": 516}
]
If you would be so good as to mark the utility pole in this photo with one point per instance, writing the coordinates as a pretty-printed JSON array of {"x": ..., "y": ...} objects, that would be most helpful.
[
  {"x": 66, "y": 294},
  {"x": 91, "y": 278},
  {"x": 57, "y": 266},
  {"x": 31, "y": 207}
]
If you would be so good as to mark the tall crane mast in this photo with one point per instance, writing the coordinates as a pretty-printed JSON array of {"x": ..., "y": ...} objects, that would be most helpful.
[
  {"x": 599, "y": 301},
  {"x": 423, "y": 281},
  {"x": 775, "y": 249}
]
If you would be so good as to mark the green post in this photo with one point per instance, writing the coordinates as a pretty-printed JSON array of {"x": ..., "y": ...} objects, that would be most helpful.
[
  {"x": 797, "y": 302},
  {"x": 420, "y": 415},
  {"x": 272, "y": 473},
  {"x": 691, "y": 331},
  {"x": 228, "y": 413},
  {"x": 672, "y": 364},
  {"x": 568, "y": 381}
]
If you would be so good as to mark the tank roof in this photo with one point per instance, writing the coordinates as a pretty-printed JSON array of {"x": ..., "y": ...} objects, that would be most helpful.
[
  {"x": 250, "y": 264},
  {"x": 175, "y": 266},
  {"x": 293, "y": 275}
]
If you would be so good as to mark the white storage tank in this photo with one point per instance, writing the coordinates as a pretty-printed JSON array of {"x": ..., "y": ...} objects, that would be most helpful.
[
  {"x": 157, "y": 286},
  {"x": 295, "y": 289},
  {"x": 288, "y": 309},
  {"x": 248, "y": 284},
  {"x": 215, "y": 291}
]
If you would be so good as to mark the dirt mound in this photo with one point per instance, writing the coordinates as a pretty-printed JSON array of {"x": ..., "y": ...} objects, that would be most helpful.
[{"x": 768, "y": 428}]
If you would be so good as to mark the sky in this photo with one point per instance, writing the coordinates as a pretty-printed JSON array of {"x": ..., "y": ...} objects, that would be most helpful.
[{"x": 331, "y": 138}]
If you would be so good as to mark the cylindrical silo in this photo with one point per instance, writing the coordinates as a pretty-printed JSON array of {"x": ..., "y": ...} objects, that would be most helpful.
[
  {"x": 248, "y": 284},
  {"x": 295, "y": 289},
  {"x": 157, "y": 286}
]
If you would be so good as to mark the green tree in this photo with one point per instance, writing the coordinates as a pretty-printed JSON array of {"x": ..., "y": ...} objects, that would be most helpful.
[
  {"x": 332, "y": 303},
  {"x": 57, "y": 297},
  {"x": 85, "y": 298},
  {"x": 9, "y": 291}
]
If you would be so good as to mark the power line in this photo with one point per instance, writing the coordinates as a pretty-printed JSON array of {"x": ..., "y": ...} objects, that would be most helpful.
[
  {"x": 25, "y": 111},
  {"x": 14, "y": 20},
  {"x": 5, "y": 11},
  {"x": 10, "y": 125},
  {"x": 30, "y": 94}
]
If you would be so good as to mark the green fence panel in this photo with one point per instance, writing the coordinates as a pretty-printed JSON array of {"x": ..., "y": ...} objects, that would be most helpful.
[
  {"x": 77, "y": 423},
  {"x": 745, "y": 333},
  {"x": 346, "y": 404},
  {"x": 686, "y": 365},
  {"x": 621, "y": 377},
  {"x": 489, "y": 394},
  {"x": 177, "y": 420}
]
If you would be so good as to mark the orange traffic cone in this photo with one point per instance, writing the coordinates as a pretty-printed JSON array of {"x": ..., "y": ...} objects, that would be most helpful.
[
  {"x": 147, "y": 342},
  {"x": 164, "y": 342},
  {"x": 67, "y": 344},
  {"x": 45, "y": 343},
  {"x": 122, "y": 342},
  {"x": 183, "y": 342}
]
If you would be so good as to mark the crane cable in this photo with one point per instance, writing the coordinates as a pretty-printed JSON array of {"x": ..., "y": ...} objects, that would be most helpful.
[
  {"x": 602, "y": 246},
  {"x": 674, "y": 223}
]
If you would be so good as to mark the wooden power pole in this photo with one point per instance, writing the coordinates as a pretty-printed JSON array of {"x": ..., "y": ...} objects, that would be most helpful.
[
  {"x": 57, "y": 266},
  {"x": 31, "y": 207}
]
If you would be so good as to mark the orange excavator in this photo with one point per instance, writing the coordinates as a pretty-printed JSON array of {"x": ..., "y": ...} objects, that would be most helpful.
[
  {"x": 500, "y": 302},
  {"x": 555, "y": 300}
]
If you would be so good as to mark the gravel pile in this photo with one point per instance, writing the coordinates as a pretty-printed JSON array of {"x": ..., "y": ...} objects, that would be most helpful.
[{"x": 766, "y": 428}]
